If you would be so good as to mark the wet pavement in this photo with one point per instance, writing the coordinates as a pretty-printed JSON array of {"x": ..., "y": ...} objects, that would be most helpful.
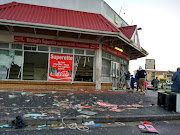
[{"x": 56, "y": 105}]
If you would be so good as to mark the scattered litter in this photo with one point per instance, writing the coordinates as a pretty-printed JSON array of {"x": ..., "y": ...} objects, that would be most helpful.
[
  {"x": 79, "y": 110},
  {"x": 107, "y": 116},
  {"x": 86, "y": 107},
  {"x": 60, "y": 127},
  {"x": 120, "y": 123},
  {"x": 115, "y": 110},
  {"x": 97, "y": 125},
  {"x": 89, "y": 123},
  {"x": 23, "y": 93},
  {"x": 4, "y": 126},
  {"x": 100, "y": 109},
  {"x": 33, "y": 110},
  {"x": 83, "y": 116},
  {"x": 146, "y": 122},
  {"x": 72, "y": 97},
  {"x": 103, "y": 104},
  {"x": 53, "y": 92},
  {"x": 27, "y": 100},
  {"x": 88, "y": 112},
  {"x": 2, "y": 90},
  {"x": 39, "y": 126},
  {"x": 12, "y": 96},
  {"x": 75, "y": 126},
  {"x": 40, "y": 95},
  {"x": 34, "y": 115},
  {"x": 14, "y": 109},
  {"x": 132, "y": 108}
]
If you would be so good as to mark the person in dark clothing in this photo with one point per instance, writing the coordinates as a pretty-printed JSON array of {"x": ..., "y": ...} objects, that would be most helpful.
[
  {"x": 137, "y": 82},
  {"x": 155, "y": 83},
  {"x": 176, "y": 81},
  {"x": 133, "y": 80},
  {"x": 128, "y": 80},
  {"x": 141, "y": 78}
]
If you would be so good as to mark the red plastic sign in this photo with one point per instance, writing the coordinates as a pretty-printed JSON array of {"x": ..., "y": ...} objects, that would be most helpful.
[
  {"x": 60, "y": 67},
  {"x": 44, "y": 41},
  {"x": 115, "y": 52}
]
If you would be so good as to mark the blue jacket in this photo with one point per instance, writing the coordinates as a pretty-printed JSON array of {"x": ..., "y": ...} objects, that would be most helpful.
[{"x": 176, "y": 80}]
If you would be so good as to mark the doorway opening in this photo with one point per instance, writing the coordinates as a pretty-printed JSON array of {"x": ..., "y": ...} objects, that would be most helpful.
[{"x": 35, "y": 66}]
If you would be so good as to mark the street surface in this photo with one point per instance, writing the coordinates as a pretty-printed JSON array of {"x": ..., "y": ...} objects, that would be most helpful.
[{"x": 130, "y": 128}]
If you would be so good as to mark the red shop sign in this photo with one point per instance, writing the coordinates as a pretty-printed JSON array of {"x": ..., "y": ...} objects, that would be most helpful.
[
  {"x": 60, "y": 67},
  {"x": 115, "y": 52},
  {"x": 44, "y": 41}
]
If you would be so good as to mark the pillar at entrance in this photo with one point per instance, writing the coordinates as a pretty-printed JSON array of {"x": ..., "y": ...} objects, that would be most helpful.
[{"x": 98, "y": 67}]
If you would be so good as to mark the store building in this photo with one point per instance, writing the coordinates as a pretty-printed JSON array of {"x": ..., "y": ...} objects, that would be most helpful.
[
  {"x": 167, "y": 75},
  {"x": 53, "y": 48}
]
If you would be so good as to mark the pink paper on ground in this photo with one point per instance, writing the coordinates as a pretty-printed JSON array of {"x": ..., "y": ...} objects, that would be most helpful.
[
  {"x": 150, "y": 128},
  {"x": 103, "y": 104}
]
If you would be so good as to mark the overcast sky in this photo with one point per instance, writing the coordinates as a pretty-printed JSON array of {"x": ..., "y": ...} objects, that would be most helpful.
[{"x": 160, "y": 23}]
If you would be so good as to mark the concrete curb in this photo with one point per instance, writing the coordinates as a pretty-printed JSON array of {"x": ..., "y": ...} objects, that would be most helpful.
[{"x": 100, "y": 119}]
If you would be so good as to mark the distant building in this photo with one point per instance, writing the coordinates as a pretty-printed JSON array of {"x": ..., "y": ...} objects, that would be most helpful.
[{"x": 151, "y": 74}]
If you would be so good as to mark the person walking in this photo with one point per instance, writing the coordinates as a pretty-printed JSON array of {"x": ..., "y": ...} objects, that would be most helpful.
[
  {"x": 127, "y": 80},
  {"x": 155, "y": 83},
  {"x": 141, "y": 74},
  {"x": 176, "y": 81}
]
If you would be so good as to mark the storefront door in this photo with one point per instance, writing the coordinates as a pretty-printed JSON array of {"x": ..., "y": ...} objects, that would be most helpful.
[{"x": 115, "y": 74}]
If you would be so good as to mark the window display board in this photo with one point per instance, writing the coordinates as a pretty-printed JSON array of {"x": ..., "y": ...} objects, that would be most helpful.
[{"x": 60, "y": 67}]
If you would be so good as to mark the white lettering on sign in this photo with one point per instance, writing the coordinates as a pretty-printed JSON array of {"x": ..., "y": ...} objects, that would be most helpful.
[
  {"x": 61, "y": 57},
  {"x": 32, "y": 40}
]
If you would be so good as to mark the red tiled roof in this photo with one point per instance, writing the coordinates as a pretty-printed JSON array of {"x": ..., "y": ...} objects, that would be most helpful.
[
  {"x": 128, "y": 30},
  {"x": 55, "y": 16}
]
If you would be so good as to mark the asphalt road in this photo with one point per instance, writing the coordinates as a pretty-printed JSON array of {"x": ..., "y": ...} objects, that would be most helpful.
[{"x": 163, "y": 127}]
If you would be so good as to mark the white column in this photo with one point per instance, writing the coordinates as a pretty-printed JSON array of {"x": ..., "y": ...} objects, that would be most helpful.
[{"x": 98, "y": 67}]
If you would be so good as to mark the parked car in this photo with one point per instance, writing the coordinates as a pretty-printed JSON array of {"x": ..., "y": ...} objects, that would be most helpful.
[{"x": 150, "y": 86}]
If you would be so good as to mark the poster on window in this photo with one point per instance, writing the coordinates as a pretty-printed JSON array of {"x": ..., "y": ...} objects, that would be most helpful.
[{"x": 60, "y": 67}]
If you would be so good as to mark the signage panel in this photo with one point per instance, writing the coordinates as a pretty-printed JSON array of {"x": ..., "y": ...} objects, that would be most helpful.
[
  {"x": 150, "y": 64},
  {"x": 44, "y": 41},
  {"x": 60, "y": 67}
]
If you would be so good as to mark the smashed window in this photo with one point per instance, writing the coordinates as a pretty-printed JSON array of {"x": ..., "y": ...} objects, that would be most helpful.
[
  {"x": 83, "y": 68},
  {"x": 106, "y": 70},
  {"x": 10, "y": 64}
]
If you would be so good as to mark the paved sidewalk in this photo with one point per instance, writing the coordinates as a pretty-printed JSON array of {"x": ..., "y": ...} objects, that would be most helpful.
[{"x": 40, "y": 107}]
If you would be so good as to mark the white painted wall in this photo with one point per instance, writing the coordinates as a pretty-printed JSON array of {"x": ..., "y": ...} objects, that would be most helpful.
[{"x": 93, "y": 6}]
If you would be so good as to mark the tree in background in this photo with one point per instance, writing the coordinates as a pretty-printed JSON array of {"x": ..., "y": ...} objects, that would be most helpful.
[{"x": 162, "y": 81}]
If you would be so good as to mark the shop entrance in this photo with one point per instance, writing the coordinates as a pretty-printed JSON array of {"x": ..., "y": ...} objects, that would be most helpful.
[
  {"x": 115, "y": 74},
  {"x": 35, "y": 66}
]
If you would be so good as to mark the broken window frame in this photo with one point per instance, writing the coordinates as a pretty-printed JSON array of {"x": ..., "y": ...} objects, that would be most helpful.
[{"x": 34, "y": 48}]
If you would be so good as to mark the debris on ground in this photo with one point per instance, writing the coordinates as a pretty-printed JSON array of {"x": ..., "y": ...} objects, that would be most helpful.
[{"x": 147, "y": 127}]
